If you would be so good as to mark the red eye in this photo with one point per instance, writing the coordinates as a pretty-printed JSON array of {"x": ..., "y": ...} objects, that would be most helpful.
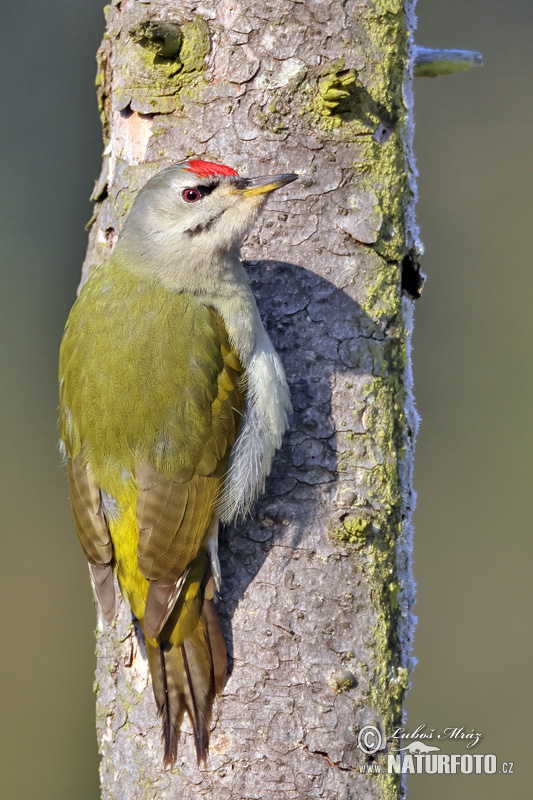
[{"x": 191, "y": 195}]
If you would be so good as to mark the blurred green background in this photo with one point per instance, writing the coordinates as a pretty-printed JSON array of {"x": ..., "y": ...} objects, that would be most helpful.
[
  {"x": 473, "y": 382},
  {"x": 472, "y": 377}
]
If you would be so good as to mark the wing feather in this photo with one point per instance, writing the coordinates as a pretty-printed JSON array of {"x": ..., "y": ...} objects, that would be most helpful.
[
  {"x": 174, "y": 513},
  {"x": 92, "y": 530}
]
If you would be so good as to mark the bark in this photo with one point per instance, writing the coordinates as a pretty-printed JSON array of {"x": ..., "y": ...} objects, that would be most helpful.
[{"x": 317, "y": 589}]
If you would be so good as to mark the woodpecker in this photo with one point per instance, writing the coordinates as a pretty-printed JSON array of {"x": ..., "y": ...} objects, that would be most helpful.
[{"x": 173, "y": 402}]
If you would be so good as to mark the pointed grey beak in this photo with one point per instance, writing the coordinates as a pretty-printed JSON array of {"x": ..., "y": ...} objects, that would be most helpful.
[{"x": 249, "y": 187}]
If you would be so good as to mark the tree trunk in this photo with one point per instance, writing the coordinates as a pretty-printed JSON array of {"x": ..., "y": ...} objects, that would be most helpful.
[{"x": 317, "y": 589}]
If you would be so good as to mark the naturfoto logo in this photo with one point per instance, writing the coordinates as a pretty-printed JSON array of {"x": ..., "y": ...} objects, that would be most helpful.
[{"x": 419, "y": 757}]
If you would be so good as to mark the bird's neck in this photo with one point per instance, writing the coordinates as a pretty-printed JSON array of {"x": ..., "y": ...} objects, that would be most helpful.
[{"x": 219, "y": 281}]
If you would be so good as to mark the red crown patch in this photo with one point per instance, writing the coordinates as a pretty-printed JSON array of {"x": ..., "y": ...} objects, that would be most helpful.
[{"x": 204, "y": 169}]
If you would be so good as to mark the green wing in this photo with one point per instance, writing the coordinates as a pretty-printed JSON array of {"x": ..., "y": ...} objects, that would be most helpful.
[{"x": 173, "y": 515}]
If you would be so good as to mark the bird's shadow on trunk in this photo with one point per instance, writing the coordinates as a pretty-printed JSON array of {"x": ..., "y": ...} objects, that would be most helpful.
[{"x": 322, "y": 336}]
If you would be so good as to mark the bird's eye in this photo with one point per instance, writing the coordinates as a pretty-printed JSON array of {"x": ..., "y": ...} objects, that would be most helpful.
[{"x": 191, "y": 195}]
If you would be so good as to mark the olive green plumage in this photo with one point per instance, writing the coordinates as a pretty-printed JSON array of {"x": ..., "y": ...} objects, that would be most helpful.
[
  {"x": 151, "y": 394},
  {"x": 140, "y": 367}
]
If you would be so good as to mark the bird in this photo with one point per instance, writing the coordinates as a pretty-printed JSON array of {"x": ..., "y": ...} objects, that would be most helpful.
[{"x": 173, "y": 402}]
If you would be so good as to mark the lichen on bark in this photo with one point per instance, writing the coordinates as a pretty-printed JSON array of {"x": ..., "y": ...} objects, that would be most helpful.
[{"x": 316, "y": 593}]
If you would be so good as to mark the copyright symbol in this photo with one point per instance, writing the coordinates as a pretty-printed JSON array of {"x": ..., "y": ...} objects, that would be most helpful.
[{"x": 369, "y": 740}]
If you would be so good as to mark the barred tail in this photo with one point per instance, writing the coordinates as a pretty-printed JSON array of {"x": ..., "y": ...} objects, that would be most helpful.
[{"x": 186, "y": 678}]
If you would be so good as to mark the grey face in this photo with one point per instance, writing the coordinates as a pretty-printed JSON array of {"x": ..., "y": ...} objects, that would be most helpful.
[{"x": 181, "y": 214}]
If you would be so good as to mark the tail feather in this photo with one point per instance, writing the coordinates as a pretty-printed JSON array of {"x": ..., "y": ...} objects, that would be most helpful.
[
  {"x": 199, "y": 694},
  {"x": 186, "y": 678},
  {"x": 217, "y": 646}
]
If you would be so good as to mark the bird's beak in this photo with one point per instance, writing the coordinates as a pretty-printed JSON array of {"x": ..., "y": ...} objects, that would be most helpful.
[{"x": 249, "y": 187}]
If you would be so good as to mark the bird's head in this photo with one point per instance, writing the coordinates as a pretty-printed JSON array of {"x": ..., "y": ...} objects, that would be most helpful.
[{"x": 196, "y": 210}]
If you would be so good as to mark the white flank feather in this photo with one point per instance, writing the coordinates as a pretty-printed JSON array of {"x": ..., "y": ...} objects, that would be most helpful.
[{"x": 264, "y": 421}]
